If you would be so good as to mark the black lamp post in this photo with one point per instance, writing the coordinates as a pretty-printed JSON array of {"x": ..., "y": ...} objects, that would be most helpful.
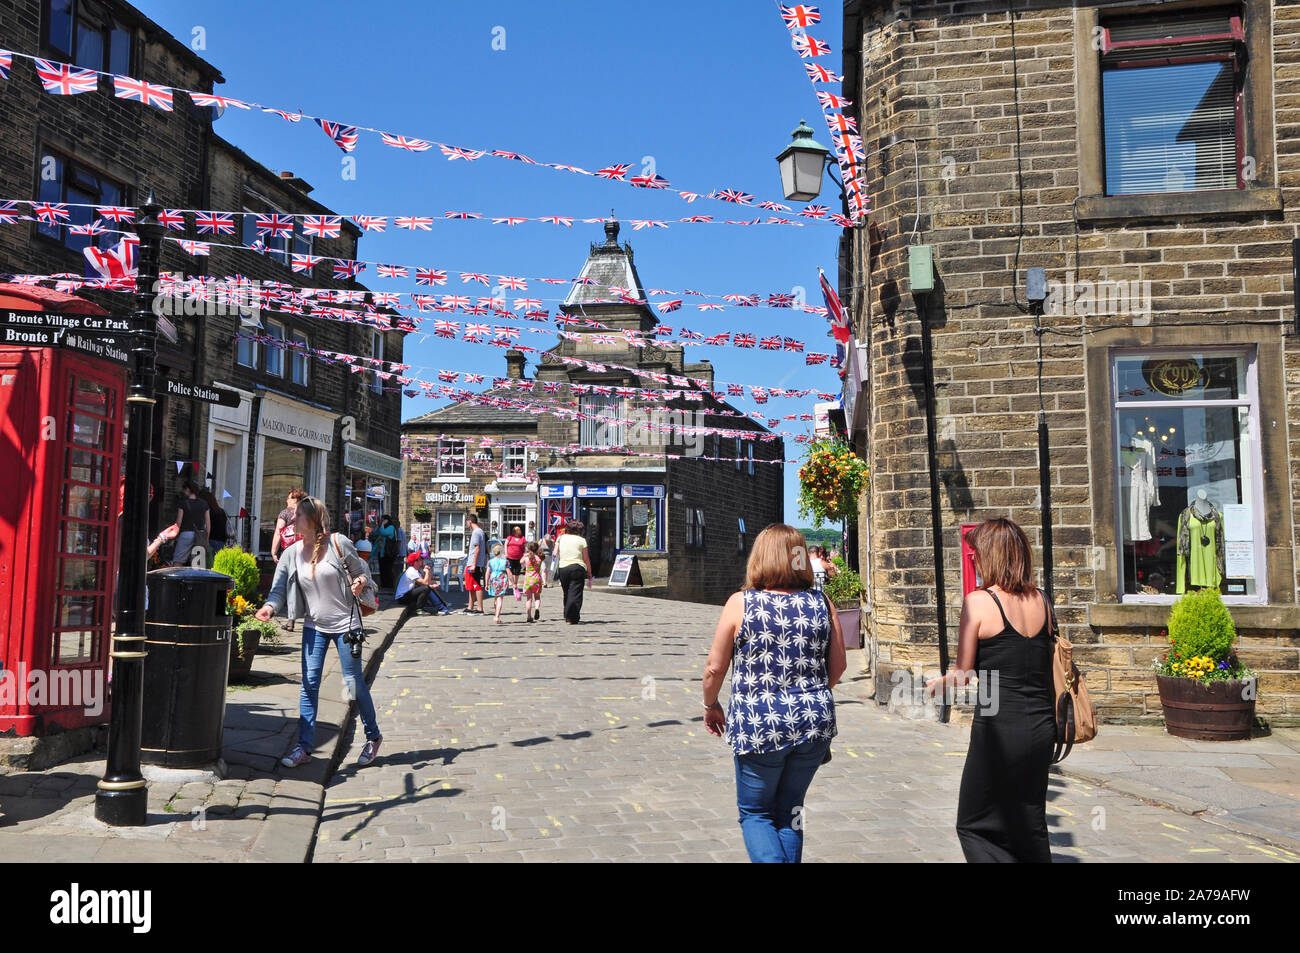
[
  {"x": 122, "y": 798},
  {"x": 1036, "y": 292}
]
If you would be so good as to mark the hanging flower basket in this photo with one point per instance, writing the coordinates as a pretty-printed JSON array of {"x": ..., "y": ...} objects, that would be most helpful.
[{"x": 830, "y": 482}]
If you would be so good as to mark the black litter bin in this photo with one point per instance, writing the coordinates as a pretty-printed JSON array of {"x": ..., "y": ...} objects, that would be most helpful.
[{"x": 188, "y": 640}]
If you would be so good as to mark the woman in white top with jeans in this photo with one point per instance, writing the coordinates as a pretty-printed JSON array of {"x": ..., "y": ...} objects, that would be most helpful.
[{"x": 311, "y": 583}]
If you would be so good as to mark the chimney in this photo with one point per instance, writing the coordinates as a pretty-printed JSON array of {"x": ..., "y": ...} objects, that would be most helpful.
[
  {"x": 287, "y": 175},
  {"x": 515, "y": 364}
]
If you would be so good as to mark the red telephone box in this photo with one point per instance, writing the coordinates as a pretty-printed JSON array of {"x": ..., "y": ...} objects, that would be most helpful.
[
  {"x": 970, "y": 581},
  {"x": 61, "y": 441}
]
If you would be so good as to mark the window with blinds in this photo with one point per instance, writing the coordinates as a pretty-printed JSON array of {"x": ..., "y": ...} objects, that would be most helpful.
[
  {"x": 1171, "y": 102},
  {"x": 602, "y": 424}
]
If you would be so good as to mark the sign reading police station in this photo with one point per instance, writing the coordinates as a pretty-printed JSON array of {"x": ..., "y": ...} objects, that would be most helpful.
[{"x": 213, "y": 395}]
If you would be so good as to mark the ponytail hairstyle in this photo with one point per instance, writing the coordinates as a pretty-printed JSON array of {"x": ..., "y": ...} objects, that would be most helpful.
[{"x": 314, "y": 510}]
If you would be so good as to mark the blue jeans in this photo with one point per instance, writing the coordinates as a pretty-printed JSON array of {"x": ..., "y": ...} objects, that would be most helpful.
[
  {"x": 315, "y": 646},
  {"x": 770, "y": 791}
]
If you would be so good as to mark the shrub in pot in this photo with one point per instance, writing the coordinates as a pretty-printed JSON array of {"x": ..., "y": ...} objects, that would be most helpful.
[{"x": 1205, "y": 691}]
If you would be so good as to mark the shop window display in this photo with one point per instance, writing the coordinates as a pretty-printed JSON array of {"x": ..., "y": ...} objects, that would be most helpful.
[{"x": 1187, "y": 469}]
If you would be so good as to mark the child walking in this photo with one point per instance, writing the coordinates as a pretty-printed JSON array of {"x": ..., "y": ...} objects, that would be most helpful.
[
  {"x": 532, "y": 564},
  {"x": 499, "y": 580}
]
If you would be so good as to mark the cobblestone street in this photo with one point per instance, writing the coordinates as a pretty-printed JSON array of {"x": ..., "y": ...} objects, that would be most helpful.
[{"x": 546, "y": 742}]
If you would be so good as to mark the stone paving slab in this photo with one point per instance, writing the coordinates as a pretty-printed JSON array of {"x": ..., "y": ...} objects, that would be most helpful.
[
  {"x": 250, "y": 809},
  {"x": 535, "y": 742}
]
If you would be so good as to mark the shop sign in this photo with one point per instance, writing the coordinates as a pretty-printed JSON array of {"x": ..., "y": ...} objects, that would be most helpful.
[
  {"x": 643, "y": 490},
  {"x": 480, "y": 501},
  {"x": 598, "y": 491},
  {"x": 357, "y": 457},
  {"x": 1174, "y": 376},
  {"x": 557, "y": 492},
  {"x": 449, "y": 493},
  {"x": 295, "y": 424}
]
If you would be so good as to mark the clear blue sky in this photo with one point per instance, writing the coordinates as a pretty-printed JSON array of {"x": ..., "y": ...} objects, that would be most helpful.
[{"x": 709, "y": 91}]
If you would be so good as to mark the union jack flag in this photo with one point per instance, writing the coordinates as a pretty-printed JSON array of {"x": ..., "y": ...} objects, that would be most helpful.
[
  {"x": 9, "y": 212},
  {"x": 814, "y": 211},
  {"x": 527, "y": 304},
  {"x": 649, "y": 182},
  {"x": 551, "y": 387},
  {"x": 813, "y": 357},
  {"x": 617, "y": 173},
  {"x": 514, "y": 284},
  {"x": 467, "y": 276},
  {"x": 477, "y": 309},
  {"x": 445, "y": 329},
  {"x": 462, "y": 215},
  {"x": 172, "y": 218},
  {"x": 839, "y": 122},
  {"x": 810, "y": 46},
  {"x": 344, "y": 268},
  {"x": 64, "y": 80},
  {"x": 799, "y": 15},
  {"x": 744, "y": 340},
  {"x": 425, "y": 302},
  {"x": 666, "y": 306},
  {"x": 456, "y": 152},
  {"x": 557, "y": 220},
  {"x": 50, "y": 212},
  {"x": 640, "y": 223},
  {"x": 371, "y": 223},
  {"x": 115, "y": 213},
  {"x": 508, "y": 332},
  {"x": 455, "y": 301},
  {"x": 195, "y": 248},
  {"x": 831, "y": 101},
  {"x": 473, "y": 329},
  {"x": 567, "y": 168},
  {"x": 842, "y": 220},
  {"x": 214, "y": 223},
  {"x": 697, "y": 218},
  {"x": 780, "y": 301},
  {"x": 517, "y": 156},
  {"x": 711, "y": 307},
  {"x": 221, "y": 102},
  {"x": 412, "y": 222},
  {"x": 345, "y": 137},
  {"x": 820, "y": 74},
  {"x": 493, "y": 303},
  {"x": 92, "y": 228},
  {"x": 449, "y": 376},
  {"x": 473, "y": 378},
  {"x": 718, "y": 339},
  {"x": 275, "y": 225},
  {"x": 790, "y": 344},
  {"x": 736, "y": 390},
  {"x": 509, "y": 220},
  {"x": 402, "y": 142},
  {"x": 732, "y": 195},
  {"x": 541, "y": 314},
  {"x": 774, "y": 206},
  {"x": 322, "y": 226},
  {"x": 287, "y": 117},
  {"x": 430, "y": 276},
  {"x": 689, "y": 335},
  {"x": 664, "y": 329},
  {"x": 124, "y": 87},
  {"x": 386, "y": 299},
  {"x": 305, "y": 262},
  {"x": 6, "y": 61}
]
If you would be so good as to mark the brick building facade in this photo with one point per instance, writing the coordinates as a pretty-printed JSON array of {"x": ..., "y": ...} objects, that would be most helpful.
[
  {"x": 655, "y": 492},
  {"x": 1146, "y": 158}
]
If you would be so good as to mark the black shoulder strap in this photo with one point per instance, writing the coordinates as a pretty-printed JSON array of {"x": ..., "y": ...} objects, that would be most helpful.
[{"x": 1006, "y": 623}]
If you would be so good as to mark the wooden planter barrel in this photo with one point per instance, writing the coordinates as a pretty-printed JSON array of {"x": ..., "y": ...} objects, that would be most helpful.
[{"x": 1207, "y": 711}]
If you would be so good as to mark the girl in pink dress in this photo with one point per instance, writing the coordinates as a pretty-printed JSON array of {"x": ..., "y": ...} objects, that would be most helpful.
[{"x": 532, "y": 584}]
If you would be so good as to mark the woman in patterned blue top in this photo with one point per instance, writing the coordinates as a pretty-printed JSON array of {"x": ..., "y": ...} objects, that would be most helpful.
[{"x": 786, "y": 650}]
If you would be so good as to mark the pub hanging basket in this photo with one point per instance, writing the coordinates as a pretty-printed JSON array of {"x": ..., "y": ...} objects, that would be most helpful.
[{"x": 831, "y": 481}]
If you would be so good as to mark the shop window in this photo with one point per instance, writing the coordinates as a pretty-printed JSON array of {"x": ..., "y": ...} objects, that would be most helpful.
[
  {"x": 1171, "y": 99},
  {"x": 1188, "y": 473},
  {"x": 298, "y": 357},
  {"x": 84, "y": 33},
  {"x": 514, "y": 461},
  {"x": 640, "y": 520},
  {"x": 284, "y": 468},
  {"x": 603, "y": 424},
  {"x": 65, "y": 180},
  {"x": 451, "y": 458},
  {"x": 275, "y": 352},
  {"x": 450, "y": 531}
]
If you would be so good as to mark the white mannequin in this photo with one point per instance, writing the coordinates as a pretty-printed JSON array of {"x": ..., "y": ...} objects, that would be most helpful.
[
  {"x": 1138, "y": 459},
  {"x": 1202, "y": 506}
]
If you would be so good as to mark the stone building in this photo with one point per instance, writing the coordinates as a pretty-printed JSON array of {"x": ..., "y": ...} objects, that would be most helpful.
[
  {"x": 643, "y": 474},
  {"x": 1145, "y": 157},
  {"x": 95, "y": 149}
]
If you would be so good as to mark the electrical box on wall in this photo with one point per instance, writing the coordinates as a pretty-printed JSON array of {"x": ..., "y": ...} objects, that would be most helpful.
[{"x": 920, "y": 267}]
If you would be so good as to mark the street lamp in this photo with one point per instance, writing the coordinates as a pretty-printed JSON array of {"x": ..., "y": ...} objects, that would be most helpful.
[
  {"x": 803, "y": 163},
  {"x": 122, "y": 798},
  {"x": 1036, "y": 293}
]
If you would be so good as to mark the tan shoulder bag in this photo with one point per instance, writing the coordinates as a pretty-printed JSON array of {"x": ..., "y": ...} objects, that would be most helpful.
[{"x": 1076, "y": 721}]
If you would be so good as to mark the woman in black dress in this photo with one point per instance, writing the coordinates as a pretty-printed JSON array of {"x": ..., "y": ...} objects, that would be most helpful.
[{"x": 1002, "y": 808}]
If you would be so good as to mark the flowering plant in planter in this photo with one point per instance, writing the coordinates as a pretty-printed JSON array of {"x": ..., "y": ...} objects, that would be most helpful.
[
  {"x": 1201, "y": 634},
  {"x": 830, "y": 482}
]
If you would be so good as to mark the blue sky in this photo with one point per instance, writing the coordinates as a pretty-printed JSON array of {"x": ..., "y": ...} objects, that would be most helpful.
[{"x": 707, "y": 92}]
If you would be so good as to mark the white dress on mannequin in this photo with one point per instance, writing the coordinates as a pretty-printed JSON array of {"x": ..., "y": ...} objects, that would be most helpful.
[{"x": 1139, "y": 460}]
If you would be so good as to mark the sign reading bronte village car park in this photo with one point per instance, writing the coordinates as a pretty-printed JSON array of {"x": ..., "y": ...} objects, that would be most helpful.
[
  {"x": 99, "y": 335},
  {"x": 213, "y": 395}
]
